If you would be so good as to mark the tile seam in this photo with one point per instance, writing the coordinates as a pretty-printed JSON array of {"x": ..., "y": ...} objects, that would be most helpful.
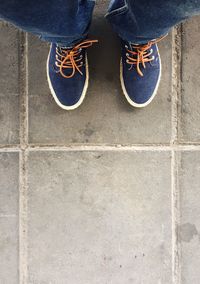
[
  {"x": 176, "y": 83},
  {"x": 176, "y": 265},
  {"x": 175, "y": 195},
  {"x": 23, "y": 159},
  {"x": 74, "y": 148}
]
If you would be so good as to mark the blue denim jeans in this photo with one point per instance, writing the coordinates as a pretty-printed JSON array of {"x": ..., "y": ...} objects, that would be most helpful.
[{"x": 67, "y": 21}]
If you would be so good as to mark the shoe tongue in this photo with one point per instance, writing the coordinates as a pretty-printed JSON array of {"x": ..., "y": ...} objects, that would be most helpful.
[
  {"x": 133, "y": 46},
  {"x": 137, "y": 45},
  {"x": 64, "y": 47}
]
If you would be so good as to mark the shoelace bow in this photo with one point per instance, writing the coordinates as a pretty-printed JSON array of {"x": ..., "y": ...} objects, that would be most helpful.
[
  {"x": 70, "y": 58},
  {"x": 141, "y": 55}
]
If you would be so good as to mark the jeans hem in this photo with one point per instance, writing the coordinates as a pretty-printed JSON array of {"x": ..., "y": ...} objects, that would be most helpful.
[
  {"x": 141, "y": 40},
  {"x": 65, "y": 41}
]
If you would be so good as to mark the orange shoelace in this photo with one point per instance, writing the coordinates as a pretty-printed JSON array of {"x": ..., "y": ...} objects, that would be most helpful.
[
  {"x": 71, "y": 58},
  {"x": 141, "y": 55}
]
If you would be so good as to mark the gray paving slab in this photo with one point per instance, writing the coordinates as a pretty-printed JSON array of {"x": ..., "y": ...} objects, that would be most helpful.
[
  {"x": 9, "y": 218},
  {"x": 190, "y": 111},
  {"x": 8, "y": 183},
  {"x": 105, "y": 116},
  {"x": 189, "y": 229},
  {"x": 9, "y": 251},
  {"x": 9, "y": 82},
  {"x": 99, "y": 217}
]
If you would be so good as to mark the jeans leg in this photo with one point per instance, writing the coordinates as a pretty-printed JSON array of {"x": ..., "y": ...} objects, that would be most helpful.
[
  {"x": 139, "y": 21},
  {"x": 60, "y": 21}
]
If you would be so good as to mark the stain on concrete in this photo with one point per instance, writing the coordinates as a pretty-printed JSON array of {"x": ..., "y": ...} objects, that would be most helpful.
[
  {"x": 107, "y": 258},
  {"x": 98, "y": 156},
  {"x": 187, "y": 232},
  {"x": 88, "y": 131},
  {"x": 74, "y": 140},
  {"x": 169, "y": 99}
]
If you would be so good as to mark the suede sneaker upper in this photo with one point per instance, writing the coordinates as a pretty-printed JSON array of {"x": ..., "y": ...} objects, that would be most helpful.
[
  {"x": 67, "y": 73},
  {"x": 140, "y": 72}
]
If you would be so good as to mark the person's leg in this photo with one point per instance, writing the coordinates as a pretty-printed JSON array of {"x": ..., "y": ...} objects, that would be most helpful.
[
  {"x": 58, "y": 21},
  {"x": 139, "y": 23},
  {"x": 65, "y": 24}
]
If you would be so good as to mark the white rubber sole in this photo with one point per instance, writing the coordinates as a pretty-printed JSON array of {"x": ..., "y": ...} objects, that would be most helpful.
[
  {"x": 82, "y": 95},
  {"x": 126, "y": 94}
]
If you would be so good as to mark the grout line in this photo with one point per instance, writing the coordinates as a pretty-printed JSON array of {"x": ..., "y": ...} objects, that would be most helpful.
[
  {"x": 23, "y": 218},
  {"x": 23, "y": 159},
  {"x": 176, "y": 95},
  {"x": 176, "y": 266},
  {"x": 116, "y": 148},
  {"x": 24, "y": 93},
  {"x": 73, "y": 148},
  {"x": 176, "y": 82},
  {"x": 100, "y": 148}
]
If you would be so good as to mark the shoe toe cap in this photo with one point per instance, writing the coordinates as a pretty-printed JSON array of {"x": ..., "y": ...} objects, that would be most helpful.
[
  {"x": 67, "y": 92},
  {"x": 140, "y": 90}
]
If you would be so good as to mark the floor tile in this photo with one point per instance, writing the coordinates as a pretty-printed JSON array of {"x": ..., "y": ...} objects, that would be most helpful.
[
  {"x": 190, "y": 104},
  {"x": 9, "y": 170},
  {"x": 9, "y": 82},
  {"x": 99, "y": 217},
  {"x": 9, "y": 250},
  {"x": 189, "y": 229}
]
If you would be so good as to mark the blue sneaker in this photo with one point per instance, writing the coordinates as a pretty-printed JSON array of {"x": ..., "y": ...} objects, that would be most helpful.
[
  {"x": 67, "y": 74},
  {"x": 140, "y": 72}
]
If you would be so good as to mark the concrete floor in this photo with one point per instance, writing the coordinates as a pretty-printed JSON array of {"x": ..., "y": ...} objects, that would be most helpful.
[{"x": 105, "y": 194}]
